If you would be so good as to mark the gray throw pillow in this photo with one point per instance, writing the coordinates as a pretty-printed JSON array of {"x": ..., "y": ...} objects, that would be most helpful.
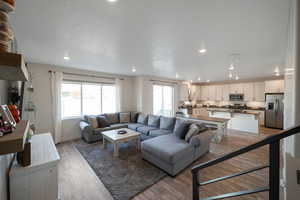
[
  {"x": 112, "y": 118},
  {"x": 181, "y": 128},
  {"x": 133, "y": 117},
  {"x": 125, "y": 117},
  {"x": 153, "y": 121},
  {"x": 102, "y": 121},
  {"x": 167, "y": 123},
  {"x": 194, "y": 129},
  {"x": 142, "y": 119}
]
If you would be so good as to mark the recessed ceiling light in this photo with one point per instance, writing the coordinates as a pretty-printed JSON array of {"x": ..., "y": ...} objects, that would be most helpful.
[
  {"x": 231, "y": 67},
  {"x": 112, "y": 1},
  {"x": 133, "y": 69},
  {"x": 202, "y": 51},
  {"x": 237, "y": 78},
  {"x": 66, "y": 57}
]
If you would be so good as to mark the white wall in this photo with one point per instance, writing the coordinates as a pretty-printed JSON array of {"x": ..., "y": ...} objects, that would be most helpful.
[
  {"x": 4, "y": 160},
  {"x": 292, "y": 109},
  {"x": 41, "y": 98}
]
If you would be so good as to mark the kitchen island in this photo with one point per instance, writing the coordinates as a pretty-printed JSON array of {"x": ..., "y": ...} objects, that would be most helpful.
[
  {"x": 220, "y": 124},
  {"x": 247, "y": 121}
]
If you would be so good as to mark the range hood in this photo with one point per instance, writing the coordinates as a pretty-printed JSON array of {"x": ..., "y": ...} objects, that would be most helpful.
[{"x": 12, "y": 67}]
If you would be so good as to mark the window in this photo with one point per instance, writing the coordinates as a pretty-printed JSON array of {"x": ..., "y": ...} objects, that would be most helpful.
[
  {"x": 163, "y": 100},
  {"x": 80, "y": 99}
]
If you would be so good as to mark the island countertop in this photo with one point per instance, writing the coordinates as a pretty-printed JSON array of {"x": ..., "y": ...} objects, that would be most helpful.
[
  {"x": 234, "y": 111},
  {"x": 205, "y": 118}
]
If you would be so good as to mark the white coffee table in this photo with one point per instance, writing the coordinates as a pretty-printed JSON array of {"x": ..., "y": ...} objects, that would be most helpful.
[{"x": 113, "y": 137}]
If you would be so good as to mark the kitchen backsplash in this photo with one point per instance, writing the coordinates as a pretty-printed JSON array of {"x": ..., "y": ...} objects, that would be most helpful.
[{"x": 225, "y": 103}]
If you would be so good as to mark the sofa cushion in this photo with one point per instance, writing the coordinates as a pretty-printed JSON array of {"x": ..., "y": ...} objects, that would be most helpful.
[
  {"x": 112, "y": 118},
  {"x": 181, "y": 128},
  {"x": 92, "y": 120},
  {"x": 159, "y": 132},
  {"x": 134, "y": 126},
  {"x": 133, "y": 117},
  {"x": 142, "y": 119},
  {"x": 145, "y": 129},
  {"x": 167, "y": 123},
  {"x": 119, "y": 125},
  {"x": 168, "y": 148},
  {"x": 153, "y": 121},
  {"x": 102, "y": 121},
  {"x": 124, "y": 117}
]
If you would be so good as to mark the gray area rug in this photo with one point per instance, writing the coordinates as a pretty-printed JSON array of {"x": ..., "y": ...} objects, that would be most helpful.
[{"x": 125, "y": 176}]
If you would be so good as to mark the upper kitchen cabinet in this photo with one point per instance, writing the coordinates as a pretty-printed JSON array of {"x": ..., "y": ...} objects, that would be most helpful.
[
  {"x": 235, "y": 88},
  {"x": 225, "y": 92},
  {"x": 12, "y": 67},
  {"x": 212, "y": 92},
  {"x": 195, "y": 92},
  {"x": 259, "y": 91},
  {"x": 219, "y": 92},
  {"x": 248, "y": 91},
  {"x": 183, "y": 92},
  {"x": 204, "y": 93},
  {"x": 274, "y": 86}
]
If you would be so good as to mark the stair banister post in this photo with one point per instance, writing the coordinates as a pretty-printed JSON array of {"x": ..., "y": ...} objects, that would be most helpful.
[
  {"x": 196, "y": 185},
  {"x": 274, "y": 172}
]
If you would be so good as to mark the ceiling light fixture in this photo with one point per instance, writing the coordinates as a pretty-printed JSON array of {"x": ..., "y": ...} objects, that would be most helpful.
[
  {"x": 133, "y": 69},
  {"x": 66, "y": 57},
  {"x": 237, "y": 78},
  {"x": 230, "y": 75},
  {"x": 231, "y": 67},
  {"x": 277, "y": 74},
  {"x": 276, "y": 70},
  {"x": 202, "y": 51},
  {"x": 199, "y": 79},
  {"x": 112, "y": 1}
]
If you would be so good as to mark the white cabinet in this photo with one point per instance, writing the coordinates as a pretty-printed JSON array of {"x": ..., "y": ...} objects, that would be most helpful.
[
  {"x": 225, "y": 92},
  {"x": 195, "y": 92},
  {"x": 274, "y": 86},
  {"x": 219, "y": 93},
  {"x": 38, "y": 180},
  {"x": 183, "y": 92},
  {"x": 248, "y": 90},
  {"x": 235, "y": 88},
  {"x": 204, "y": 93},
  {"x": 212, "y": 92},
  {"x": 259, "y": 91}
]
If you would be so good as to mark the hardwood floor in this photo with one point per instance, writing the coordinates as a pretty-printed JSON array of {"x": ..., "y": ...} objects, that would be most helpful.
[{"x": 77, "y": 180}]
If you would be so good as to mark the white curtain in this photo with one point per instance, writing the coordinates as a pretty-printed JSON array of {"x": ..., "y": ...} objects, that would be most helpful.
[
  {"x": 56, "y": 81},
  {"x": 118, "y": 95}
]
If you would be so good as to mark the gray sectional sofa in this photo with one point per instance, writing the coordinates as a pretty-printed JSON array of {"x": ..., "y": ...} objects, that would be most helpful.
[{"x": 162, "y": 141}]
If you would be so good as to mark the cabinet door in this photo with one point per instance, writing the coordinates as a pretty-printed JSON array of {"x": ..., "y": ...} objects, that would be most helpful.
[
  {"x": 248, "y": 91},
  {"x": 259, "y": 91},
  {"x": 219, "y": 93},
  {"x": 275, "y": 86},
  {"x": 236, "y": 88},
  {"x": 212, "y": 92},
  {"x": 225, "y": 92},
  {"x": 204, "y": 93},
  {"x": 183, "y": 92}
]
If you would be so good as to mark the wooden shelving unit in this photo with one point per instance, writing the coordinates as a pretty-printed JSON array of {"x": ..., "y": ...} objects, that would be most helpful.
[{"x": 14, "y": 142}]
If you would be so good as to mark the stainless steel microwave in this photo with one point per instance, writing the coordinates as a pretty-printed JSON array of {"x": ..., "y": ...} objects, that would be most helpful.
[{"x": 236, "y": 97}]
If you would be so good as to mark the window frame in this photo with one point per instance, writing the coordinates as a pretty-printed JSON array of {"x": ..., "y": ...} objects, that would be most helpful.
[
  {"x": 162, "y": 95},
  {"x": 81, "y": 83}
]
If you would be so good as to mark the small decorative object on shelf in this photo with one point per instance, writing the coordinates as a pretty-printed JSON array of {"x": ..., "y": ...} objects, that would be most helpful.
[
  {"x": 5, "y": 128},
  {"x": 24, "y": 157},
  {"x": 7, "y": 116}
]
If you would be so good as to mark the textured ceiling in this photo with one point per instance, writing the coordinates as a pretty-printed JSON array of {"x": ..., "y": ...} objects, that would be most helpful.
[{"x": 158, "y": 37}]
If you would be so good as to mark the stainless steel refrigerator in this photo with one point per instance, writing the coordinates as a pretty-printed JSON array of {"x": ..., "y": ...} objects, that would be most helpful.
[{"x": 274, "y": 110}]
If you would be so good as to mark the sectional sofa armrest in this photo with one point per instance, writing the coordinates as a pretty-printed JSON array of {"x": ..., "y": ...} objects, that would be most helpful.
[
  {"x": 202, "y": 138},
  {"x": 84, "y": 125}
]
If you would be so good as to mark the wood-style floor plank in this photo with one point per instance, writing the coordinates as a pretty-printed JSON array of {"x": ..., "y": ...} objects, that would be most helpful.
[{"x": 77, "y": 181}]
